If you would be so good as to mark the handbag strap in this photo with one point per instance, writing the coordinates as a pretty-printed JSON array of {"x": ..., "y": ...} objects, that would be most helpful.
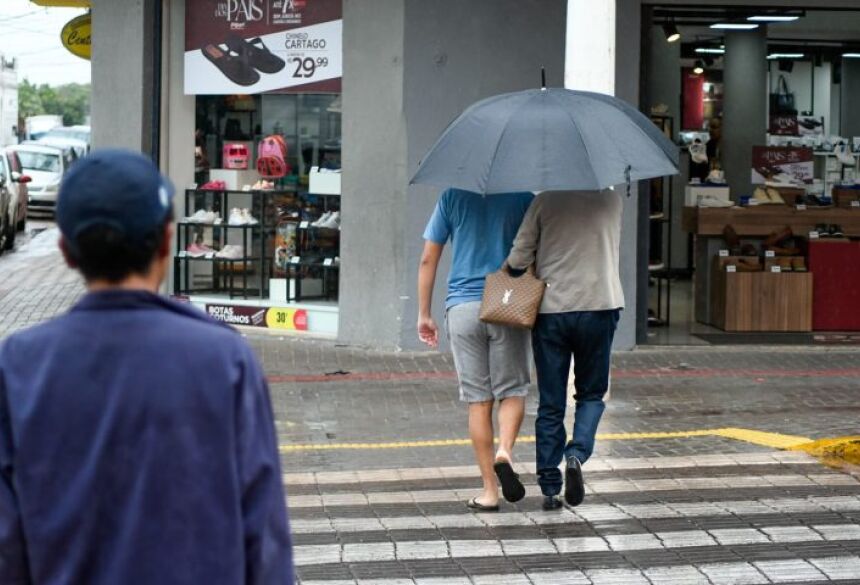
[{"x": 782, "y": 86}]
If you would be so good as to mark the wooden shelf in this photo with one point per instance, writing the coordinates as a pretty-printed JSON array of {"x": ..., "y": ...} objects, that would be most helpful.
[{"x": 761, "y": 221}]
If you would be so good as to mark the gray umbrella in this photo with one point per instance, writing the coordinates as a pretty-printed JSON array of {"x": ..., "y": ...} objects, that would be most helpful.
[{"x": 545, "y": 140}]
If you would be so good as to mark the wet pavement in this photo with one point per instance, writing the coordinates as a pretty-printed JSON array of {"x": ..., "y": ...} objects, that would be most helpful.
[{"x": 697, "y": 476}]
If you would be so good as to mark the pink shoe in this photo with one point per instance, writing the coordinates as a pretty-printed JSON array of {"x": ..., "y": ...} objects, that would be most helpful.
[{"x": 198, "y": 250}]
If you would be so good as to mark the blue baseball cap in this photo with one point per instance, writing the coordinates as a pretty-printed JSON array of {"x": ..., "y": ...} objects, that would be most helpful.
[{"x": 117, "y": 188}]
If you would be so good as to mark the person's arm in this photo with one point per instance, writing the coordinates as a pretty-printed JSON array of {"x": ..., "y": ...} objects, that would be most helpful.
[
  {"x": 13, "y": 547},
  {"x": 268, "y": 548},
  {"x": 428, "y": 332},
  {"x": 528, "y": 237}
]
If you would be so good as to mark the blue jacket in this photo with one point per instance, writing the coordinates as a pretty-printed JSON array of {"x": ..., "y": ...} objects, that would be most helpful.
[{"x": 137, "y": 446}]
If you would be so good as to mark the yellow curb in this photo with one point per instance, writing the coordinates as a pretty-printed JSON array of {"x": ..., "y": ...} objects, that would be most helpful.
[
  {"x": 772, "y": 440},
  {"x": 835, "y": 450}
]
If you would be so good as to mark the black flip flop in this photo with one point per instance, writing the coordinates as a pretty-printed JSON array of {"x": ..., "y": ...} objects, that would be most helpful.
[
  {"x": 474, "y": 504},
  {"x": 512, "y": 487},
  {"x": 255, "y": 53},
  {"x": 234, "y": 68}
]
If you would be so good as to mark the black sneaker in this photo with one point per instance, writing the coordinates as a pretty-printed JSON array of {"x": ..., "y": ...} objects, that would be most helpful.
[
  {"x": 836, "y": 231},
  {"x": 574, "y": 489},
  {"x": 552, "y": 503}
]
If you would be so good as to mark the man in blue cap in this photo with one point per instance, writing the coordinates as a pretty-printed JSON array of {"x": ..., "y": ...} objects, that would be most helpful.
[{"x": 136, "y": 435}]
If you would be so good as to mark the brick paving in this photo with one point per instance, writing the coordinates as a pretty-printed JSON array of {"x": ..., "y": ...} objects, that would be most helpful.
[{"x": 703, "y": 509}]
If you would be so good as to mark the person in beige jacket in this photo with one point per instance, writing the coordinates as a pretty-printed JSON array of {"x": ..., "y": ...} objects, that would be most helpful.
[{"x": 573, "y": 239}]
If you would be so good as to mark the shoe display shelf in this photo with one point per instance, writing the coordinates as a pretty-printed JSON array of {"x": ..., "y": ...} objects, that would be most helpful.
[
  {"x": 317, "y": 257},
  {"x": 244, "y": 276},
  {"x": 660, "y": 227}
]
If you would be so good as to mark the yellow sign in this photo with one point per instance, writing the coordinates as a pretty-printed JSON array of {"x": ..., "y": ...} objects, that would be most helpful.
[
  {"x": 76, "y": 36},
  {"x": 64, "y": 3},
  {"x": 294, "y": 319}
]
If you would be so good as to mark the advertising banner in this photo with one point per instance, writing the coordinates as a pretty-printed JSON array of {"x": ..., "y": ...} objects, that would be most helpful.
[
  {"x": 268, "y": 318},
  {"x": 76, "y": 36},
  {"x": 782, "y": 164},
  {"x": 260, "y": 46}
]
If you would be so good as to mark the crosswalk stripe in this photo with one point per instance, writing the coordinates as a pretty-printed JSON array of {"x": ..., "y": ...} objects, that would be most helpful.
[
  {"x": 835, "y": 569},
  {"x": 604, "y": 487},
  {"x": 583, "y": 514},
  {"x": 594, "y": 464},
  {"x": 317, "y": 554}
]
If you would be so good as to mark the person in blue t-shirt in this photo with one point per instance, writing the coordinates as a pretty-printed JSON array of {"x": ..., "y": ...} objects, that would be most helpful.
[{"x": 492, "y": 361}]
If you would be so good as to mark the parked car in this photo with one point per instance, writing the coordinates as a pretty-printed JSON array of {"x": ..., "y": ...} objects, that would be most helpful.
[
  {"x": 11, "y": 183},
  {"x": 75, "y": 137},
  {"x": 46, "y": 165},
  {"x": 17, "y": 181}
]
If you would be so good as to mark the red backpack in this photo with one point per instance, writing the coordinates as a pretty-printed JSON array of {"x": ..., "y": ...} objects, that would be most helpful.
[{"x": 272, "y": 157}]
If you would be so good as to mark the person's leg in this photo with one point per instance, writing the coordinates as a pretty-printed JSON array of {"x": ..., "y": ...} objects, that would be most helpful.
[
  {"x": 510, "y": 358},
  {"x": 552, "y": 361},
  {"x": 470, "y": 348},
  {"x": 594, "y": 333},
  {"x": 481, "y": 433},
  {"x": 511, "y": 413}
]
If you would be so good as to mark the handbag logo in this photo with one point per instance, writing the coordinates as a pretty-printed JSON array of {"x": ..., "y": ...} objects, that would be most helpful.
[{"x": 506, "y": 299}]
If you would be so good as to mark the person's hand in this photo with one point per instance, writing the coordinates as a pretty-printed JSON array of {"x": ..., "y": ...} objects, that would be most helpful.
[{"x": 428, "y": 332}]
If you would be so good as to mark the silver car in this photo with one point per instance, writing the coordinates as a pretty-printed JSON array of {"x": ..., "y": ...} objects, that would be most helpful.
[{"x": 46, "y": 165}]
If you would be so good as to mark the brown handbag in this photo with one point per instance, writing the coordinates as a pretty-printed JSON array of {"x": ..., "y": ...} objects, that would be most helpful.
[{"x": 512, "y": 300}]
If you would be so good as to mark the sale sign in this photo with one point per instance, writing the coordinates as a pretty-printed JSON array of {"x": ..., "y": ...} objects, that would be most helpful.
[
  {"x": 259, "y": 46},
  {"x": 782, "y": 164},
  {"x": 270, "y": 318}
]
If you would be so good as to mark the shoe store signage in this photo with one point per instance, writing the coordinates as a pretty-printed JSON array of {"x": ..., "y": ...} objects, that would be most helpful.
[
  {"x": 267, "y": 318},
  {"x": 783, "y": 164},
  {"x": 257, "y": 46}
]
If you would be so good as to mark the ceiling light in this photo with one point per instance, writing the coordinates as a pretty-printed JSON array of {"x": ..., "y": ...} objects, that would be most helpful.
[
  {"x": 773, "y": 18},
  {"x": 786, "y": 56},
  {"x": 699, "y": 68},
  {"x": 734, "y": 26},
  {"x": 851, "y": 55},
  {"x": 709, "y": 51},
  {"x": 671, "y": 32}
]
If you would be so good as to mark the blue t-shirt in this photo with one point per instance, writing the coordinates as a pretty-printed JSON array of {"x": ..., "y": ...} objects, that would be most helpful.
[{"x": 482, "y": 229}]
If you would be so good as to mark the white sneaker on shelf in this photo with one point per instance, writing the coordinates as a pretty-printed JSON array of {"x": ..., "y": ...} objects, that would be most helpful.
[
  {"x": 236, "y": 217},
  {"x": 230, "y": 252},
  {"x": 202, "y": 216},
  {"x": 247, "y": 217},
  {"x": 322, "y": 219},
  {"x": 711, "y": 201},
  {"x": 333, "y": 222}
]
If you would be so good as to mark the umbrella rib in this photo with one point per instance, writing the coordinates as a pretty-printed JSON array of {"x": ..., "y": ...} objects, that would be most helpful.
[
  {"x": 584, "y": 143},
  {"x": 502, "y": 136}
]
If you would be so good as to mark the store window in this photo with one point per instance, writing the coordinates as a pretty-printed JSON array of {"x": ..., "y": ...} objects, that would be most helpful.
[{"x": 259, "y": 238}]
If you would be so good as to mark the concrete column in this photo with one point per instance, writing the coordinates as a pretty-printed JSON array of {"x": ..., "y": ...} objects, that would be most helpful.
[
  {"x": 122, "y": 73},
  {"x": 409, "y": 69},
  {"x": 850, "y": 89},
  {"x": 744, "y": 105}
]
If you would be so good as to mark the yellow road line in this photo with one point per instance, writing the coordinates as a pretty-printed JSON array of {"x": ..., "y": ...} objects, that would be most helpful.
[
  {"x": 836, "y": 450},
  {"x": 772, "y": 440}
]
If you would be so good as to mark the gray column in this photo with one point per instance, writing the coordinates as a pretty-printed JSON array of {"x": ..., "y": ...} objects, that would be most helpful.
[
  {"x": 122, "y": 73},
  {"x": 627, "y": 62},
  {"x": 744, "y": 105},
  {"x": 850, "y": 89},
  {"x": 409, "y": 68}
]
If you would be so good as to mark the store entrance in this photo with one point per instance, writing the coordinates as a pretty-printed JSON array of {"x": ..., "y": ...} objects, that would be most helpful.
[{"x": 758, "y": 239}]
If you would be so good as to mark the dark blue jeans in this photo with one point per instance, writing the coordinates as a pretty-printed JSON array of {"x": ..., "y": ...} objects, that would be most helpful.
[{"x": 587, "y": 336}]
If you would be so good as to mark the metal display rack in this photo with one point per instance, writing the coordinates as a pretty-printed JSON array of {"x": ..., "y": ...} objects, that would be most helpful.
[
  {"x": 661, "y": 220},
  {"x": 257, "y": 245}
]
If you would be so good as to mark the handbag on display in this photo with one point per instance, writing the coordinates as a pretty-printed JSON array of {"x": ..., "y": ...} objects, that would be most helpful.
[
  {"x": 272, "y": 157},
  {"x": 512, "y": 300},
  {"x": 782, "y": 102}
]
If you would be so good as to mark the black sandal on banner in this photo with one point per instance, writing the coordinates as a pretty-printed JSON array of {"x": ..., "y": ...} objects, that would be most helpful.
[
  {"x": 255, "y": 53},
  {"x": 234, "y": 68}
]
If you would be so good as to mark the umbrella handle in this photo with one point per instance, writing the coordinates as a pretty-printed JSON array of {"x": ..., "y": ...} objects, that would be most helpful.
[
  {"x": 627, "y": 176},
  {"x": 542, "y": 78}
]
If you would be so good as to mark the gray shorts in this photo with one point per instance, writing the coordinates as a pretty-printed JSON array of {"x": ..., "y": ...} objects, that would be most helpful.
[{"x": 492, "y": 361}]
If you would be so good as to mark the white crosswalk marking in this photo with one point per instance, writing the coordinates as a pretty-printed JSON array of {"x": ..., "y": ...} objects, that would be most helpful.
[{"x": 375, "y": 527}]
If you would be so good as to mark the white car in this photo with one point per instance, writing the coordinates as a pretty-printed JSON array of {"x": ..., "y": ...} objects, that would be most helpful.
[
  {"x": 45, "y": 165},
  {"x": 76, "y": 137}
]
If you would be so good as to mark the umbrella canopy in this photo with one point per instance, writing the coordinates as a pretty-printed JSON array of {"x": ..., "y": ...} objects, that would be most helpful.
[{"x": 546, "y": 140}]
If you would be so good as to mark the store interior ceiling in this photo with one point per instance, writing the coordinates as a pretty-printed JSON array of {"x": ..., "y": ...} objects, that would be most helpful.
[{"x": 810, "y": 34}]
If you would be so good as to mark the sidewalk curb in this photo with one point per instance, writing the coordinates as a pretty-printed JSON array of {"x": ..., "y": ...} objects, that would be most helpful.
[{"x": 838, "y": 450}]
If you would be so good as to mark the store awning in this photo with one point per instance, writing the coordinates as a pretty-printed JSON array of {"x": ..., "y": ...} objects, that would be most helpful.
[{"x": 64, "y": 3}]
